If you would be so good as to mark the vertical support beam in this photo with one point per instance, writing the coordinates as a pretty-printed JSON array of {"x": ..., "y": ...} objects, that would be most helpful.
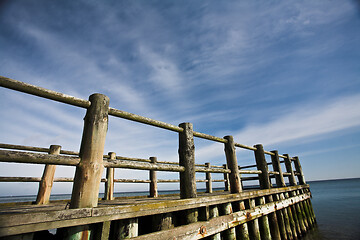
[
  {"x": 213, "y": 213},
  {"x": 153, "y": 180},
  {"x": 226, "y": 179},
  {"x": 263, "y": 222},
  {"x": 47, "y": 179},
  {"x": 300, "y": 226},
  {"x": 264, "y": 180},
  {"x": 254, "y": 230},
  {"x": 187, "y": 160},
  {"x": 283, "y": 217},
  {"x": 235, "y": 184},
  {"x": 208, "y": 180},
  {"x": 125, "y": 228},
  {"x": 162, "y": 221},
  {"x": 109, "y": 184},
  {"x": 229, "y": 234},
  {"x": 88, "y": 173}
]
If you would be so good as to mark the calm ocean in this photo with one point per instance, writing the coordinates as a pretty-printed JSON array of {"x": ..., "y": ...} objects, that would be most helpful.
[
  {"x": 336, "y": 204},
  {"x": 337, "y": 208}
]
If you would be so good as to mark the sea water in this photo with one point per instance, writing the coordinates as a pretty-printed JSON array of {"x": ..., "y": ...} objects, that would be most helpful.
[{"x": 336, "y": 204}]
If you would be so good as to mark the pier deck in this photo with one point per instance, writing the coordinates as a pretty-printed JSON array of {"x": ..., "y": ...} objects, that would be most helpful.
[{"x": 276, "y": 210}]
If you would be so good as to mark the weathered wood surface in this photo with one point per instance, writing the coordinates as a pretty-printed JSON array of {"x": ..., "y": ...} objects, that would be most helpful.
[
  {"x": 264, "y": 179},
  {"x": 36, "y": 218},
  {"x": 109, "y": 184},
  {"x": 235, "y": 183},
  {"x": 153, "y": 180},
  {"x": 219, "y": 224},
  {"x": 47, "y": 180},
  {"x": 37, "y": 158}
]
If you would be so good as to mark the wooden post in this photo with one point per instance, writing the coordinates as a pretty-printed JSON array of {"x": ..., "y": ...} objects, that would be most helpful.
[
  {"x": 303, "y": 205},
  {"x": 253, "y": 226},
  {"x": 295, "y": 208},
  {"x": 298, "y": 169},
  {"x": 162, "y": 221},
  {"x": 229, "y": 234},
  {"x": 88, "y": 173},
  {"x": 153, "y": 180},
  {"x": 208, "y": 180},
  {"x": 109, "y": 184},
  {"x": 264, "y": 225},
  {"x": 47, "y": 180},
  {"x": 264, "y": 180},
  {"x": 187, "y": 160},
  {"x": 235, "y": 183},
  {"x": 283, "y": 213},
  {"x": 125, "y": 228},
  {"x": 213, "y": 213},
  {"x": 226, "y": 179}
]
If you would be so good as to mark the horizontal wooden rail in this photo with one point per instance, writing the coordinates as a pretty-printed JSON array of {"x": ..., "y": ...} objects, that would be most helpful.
[
  {"x": 37, "y": 158},
  {"x": 60, "y": 97},
  {"x": 43, "y": 92}
]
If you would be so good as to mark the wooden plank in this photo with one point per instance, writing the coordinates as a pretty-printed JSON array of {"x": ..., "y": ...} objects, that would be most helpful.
[
  {"x": 22, "y": 223},
  {"x": 219, "y": 224}
]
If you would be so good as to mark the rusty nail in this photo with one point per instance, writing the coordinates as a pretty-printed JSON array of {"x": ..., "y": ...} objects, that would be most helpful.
[{"x": 202, "y": 230}]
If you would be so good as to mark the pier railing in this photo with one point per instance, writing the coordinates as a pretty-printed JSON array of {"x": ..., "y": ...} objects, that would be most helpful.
[{"x": 91, "y": 161}]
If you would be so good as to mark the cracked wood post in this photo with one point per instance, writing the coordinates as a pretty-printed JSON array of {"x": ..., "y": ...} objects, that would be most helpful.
[
  {"x": 153, "y": 180},
  {"x": 88, "y": 173},
  {"x": 295, "y": 208},
  {"x": 283, "y": 217},
  {"x": 209, "y": 180},
  {"x": 264, "y": 180},
  {"x": 187, "y": 160},
  {"x": 109, "y": 184},
  {"x": 235, "y": 184},
  {"x": 47, "y": 180}
]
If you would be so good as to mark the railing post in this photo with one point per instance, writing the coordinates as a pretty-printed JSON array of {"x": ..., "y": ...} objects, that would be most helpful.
[
  {"x": 47, "y": 180},
  {"x": 264, "y": 180},
  {"x": 88, "y": 173},
  {"x": 109, "y": 184},
  {"x": 187, "y": 160},
  {"x": 298, "y": 169},
  {"x": 226, "y": 179},
  {"x": 208, "y": 180},
  {"x": 153, "y": 180},
  {"x": 235, "y": 183},
  {"x": 304, "y": 204},
  {"x": 300, "y": 226},
  {"x": 282, "y": 215}
]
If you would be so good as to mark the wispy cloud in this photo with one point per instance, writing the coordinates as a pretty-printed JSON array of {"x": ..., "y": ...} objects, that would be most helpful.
[{"x": 301, "y": 124}]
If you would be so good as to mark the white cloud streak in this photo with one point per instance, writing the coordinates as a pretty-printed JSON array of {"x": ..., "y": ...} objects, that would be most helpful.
[{"x": 304, "y": 123}]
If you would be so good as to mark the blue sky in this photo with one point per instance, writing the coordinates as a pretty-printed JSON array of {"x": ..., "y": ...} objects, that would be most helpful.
[{"x": 282, "y": 73}]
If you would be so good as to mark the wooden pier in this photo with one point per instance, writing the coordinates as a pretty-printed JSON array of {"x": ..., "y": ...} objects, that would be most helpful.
[{"x": 280, "y": 210}]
